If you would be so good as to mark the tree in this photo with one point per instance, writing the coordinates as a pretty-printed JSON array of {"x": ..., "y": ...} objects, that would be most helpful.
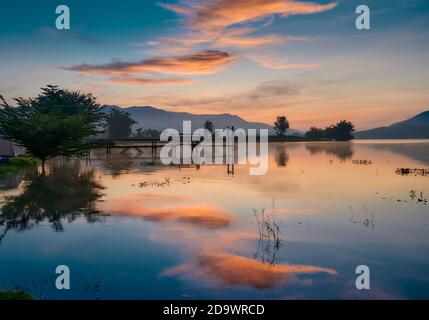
[
  {"x": 315, "y": 133},
  {"x": 329, "y": 133},
  {"x": 343, "y": 131},
  {"x": 281, "y": 126},
  {"x": 119, "y": 124},
  {"x": 139, "y": 133},
  {"x": 55, "y": 123},
  {"x": 208, "y": 125},
  {"x": 152, "y": 133}
]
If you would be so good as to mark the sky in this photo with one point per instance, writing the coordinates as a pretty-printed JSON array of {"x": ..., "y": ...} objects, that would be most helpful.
[{"x": 254, "y": 58}]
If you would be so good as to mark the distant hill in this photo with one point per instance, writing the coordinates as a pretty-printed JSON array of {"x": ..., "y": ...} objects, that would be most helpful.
[
  {"x": 414, "y": 128},
  {"x": 153, "y": 118}
]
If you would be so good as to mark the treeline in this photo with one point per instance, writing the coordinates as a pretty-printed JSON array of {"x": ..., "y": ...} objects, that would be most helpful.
[
  {"x": 119, "y": 126},
  {"x": 342, "y": 131}
]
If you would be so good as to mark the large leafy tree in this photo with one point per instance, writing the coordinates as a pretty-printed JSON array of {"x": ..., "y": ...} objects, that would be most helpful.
[
  {"x": 119, "y": 124},
  {"x": 343, "y": 131},
  {"x": 55, "y": 123}
]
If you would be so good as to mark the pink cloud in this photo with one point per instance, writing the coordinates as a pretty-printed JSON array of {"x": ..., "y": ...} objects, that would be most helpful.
[
  {"x": 205, "y": 62},
  {"x": 215, "y": 14},
  {"x": 151, "y": 82}
]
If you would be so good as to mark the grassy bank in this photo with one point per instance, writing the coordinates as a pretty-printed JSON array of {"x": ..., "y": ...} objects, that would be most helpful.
[
  {"x": 16, "y": 164},
  {"x": 15, "y": 295}
]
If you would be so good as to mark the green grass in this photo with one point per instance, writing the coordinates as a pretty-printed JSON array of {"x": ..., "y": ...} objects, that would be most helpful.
[
  {"x": 15, "y": 295},
  {"x": 17, "y": 164}
]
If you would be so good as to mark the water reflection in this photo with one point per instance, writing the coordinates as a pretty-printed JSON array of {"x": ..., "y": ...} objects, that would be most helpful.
[
  {"x": 235, "y": 270},
  {"x": 116, "y": 165},
  {"x": 11, "y": 182},
  {"x": 342, "y": 150},
  {"x": 66, "y": 193},
  {"x": 282, "y": 157},
  {"x": 177, "y": 231},
  {"x": 414, "y": 150},
  {"x": 202, "y": 215}
]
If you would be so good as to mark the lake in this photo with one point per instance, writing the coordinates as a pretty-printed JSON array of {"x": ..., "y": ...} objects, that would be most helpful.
[{"x": 131, "y": 229}]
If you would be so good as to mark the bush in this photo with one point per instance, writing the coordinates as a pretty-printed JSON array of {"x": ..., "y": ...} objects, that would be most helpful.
[{"x": 18, "y": 294}]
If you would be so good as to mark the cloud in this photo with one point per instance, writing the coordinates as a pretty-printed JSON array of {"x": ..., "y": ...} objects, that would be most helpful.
[
  {"x": 235, "y": 37},
  {"x": 272, "y": 89},
  {"x": 226, "y": 24},
  {"x": 240, "y": 38},
  {"x": 234, "y": 270},
  {"x": 220, "y": 14},
  {"x": 272, "y": 61},
  {"x": 151, "y": 82},
  {"x": 205, "y": 62}
]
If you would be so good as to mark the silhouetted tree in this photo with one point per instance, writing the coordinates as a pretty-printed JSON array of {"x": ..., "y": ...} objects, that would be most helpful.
[
  {"x": 208, "y": 125},
  {"x": 329, "y": 133},
  {"x": 152, "y": 133},
  {"x": 343, "y": 131},
  {"x": 119, "y": 124},
  {"x": 281, "y": 126},
  {"x": 55, "y": 123},
  {"x": 139, "y": 133},
  {"x": 315, "y": 133}
]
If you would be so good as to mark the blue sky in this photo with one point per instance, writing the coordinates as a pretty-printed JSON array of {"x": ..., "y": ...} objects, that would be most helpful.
[{"x": 254, "y": 58}]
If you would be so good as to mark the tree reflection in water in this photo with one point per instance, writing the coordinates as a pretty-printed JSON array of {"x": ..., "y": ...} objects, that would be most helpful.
[
  {"x": 66, "y": 193},
  {"x": 282, "y": 157},
  {"x": 342, "y": 150}
]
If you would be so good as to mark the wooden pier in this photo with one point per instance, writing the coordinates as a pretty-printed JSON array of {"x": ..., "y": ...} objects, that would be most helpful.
[{"x": 138, "y": 144}]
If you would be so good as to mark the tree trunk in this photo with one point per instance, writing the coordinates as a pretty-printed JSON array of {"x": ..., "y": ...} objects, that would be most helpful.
[{"x": 43, "y": 167}]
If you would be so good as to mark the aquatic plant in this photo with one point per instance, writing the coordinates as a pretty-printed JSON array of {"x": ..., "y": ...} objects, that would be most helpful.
[{"x": 269, "y": 235}]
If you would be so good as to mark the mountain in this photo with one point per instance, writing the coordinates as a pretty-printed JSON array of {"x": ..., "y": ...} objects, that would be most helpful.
[
  {"x": 153, "y": 118},
  {"x": 414, "y": 128}
]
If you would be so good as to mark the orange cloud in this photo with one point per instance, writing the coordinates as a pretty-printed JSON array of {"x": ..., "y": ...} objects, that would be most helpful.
[
  {"x": 253, "y": 41},
  {"x": 220, "y": 23},
  {"x": 273, "y": 61},
  {"x": 205, "y": 62},
  {"x": 215, "y": 14},
  {"x": 152, "y": 82},
  {"x": 236, "y": 270}
]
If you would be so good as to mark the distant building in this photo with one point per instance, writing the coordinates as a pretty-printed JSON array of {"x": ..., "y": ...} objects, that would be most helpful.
[{"x": 9, "y": 149}]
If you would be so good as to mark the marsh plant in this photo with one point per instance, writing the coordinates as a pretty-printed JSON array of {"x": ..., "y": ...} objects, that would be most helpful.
[{"x": 270, "y": 241}]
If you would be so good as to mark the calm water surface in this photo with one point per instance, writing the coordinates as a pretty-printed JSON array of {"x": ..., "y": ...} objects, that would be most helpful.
[{"x": 129, "y": 229}]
